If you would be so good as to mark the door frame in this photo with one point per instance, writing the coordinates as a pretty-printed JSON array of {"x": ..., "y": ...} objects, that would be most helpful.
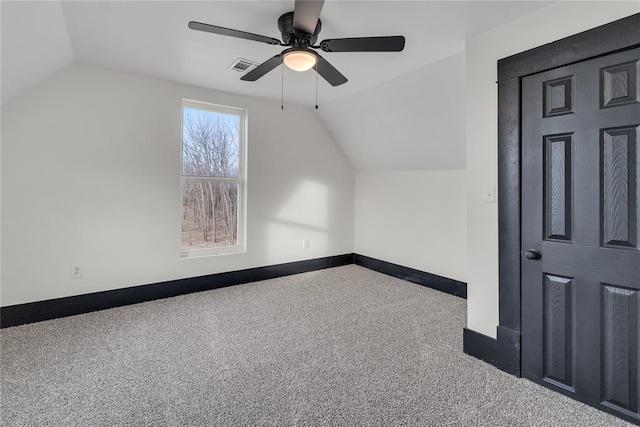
[{"x": 616, "y": 36}]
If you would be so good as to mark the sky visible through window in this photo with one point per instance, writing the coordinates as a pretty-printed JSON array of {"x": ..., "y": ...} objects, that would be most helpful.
[
  {"x": 194, "y": 113},
  {"x": 210, "y": 143}
]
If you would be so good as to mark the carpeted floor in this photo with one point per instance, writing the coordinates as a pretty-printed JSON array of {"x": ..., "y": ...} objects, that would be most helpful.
[{"x": 341, "y": 347}]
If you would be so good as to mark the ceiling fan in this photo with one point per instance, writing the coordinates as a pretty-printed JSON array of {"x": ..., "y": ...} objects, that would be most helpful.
[{"x": 300, "y": 30}]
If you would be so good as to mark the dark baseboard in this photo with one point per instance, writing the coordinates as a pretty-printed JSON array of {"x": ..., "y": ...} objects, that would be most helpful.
[
  {"x": 38, "y": 311},
  {"x": 429, "y": 280},
  {"x": 479, "y": 346},
  {"x": 21, "y": 314}
]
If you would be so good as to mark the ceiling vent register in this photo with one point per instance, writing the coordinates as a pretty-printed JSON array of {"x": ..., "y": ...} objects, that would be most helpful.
[{"x": 243, "y": 65}]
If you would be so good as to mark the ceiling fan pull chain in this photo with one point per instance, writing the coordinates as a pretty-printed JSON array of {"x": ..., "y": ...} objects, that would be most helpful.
[
  {"x": 316, "y": 85},
  {"x": 282, "y": 87}
]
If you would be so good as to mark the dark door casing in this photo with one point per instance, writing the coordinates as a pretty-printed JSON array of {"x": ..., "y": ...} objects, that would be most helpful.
[{"x": 587, "y": 279}]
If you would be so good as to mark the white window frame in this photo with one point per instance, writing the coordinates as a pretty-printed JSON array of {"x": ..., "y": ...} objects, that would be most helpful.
[{"x": 241, "y": 180}]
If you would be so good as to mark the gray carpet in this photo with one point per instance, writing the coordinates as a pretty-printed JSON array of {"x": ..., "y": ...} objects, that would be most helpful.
[{"x": 341, "y": 347}]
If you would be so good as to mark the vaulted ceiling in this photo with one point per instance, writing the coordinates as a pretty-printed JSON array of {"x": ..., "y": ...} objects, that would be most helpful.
[{"x": 151, "y": 38}]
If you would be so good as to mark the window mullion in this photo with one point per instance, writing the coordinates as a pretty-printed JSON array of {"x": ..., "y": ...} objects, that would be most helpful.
[{"x": 210, "y": 178}]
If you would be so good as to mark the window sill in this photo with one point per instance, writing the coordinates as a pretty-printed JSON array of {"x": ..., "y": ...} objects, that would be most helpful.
[{"x": 212, "y": 252}]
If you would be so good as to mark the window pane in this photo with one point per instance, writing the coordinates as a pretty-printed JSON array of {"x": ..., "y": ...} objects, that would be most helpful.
[
  {"x": 210, "y": 142},
  {"x": 209, "y": 214}
]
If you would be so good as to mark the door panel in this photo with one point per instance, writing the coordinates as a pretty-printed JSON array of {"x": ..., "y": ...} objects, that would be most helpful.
[
  {"x": 559, "y": 331},
  {"x": 619, "y": 182},
  {"x": 558, "y": 172},
  {"x": 580, "y": 207},
  {"x": 620, "y": 358}
]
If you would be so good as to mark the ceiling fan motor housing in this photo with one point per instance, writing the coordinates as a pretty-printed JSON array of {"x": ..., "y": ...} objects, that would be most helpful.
[{"x": 293, "y": 37}]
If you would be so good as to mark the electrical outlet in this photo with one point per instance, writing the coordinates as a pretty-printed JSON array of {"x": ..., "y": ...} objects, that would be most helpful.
[
  {"x": 305, "y": 244},
  {"x": 76, "y": 271}
]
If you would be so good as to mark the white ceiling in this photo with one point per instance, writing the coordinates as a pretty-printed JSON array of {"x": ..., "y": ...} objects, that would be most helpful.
[
  {"x": 411, "y": 123},
  {"x": 405, "y": 110},
  {"x": 152, "y": 38},
  {"x": 35, "y": 45}
]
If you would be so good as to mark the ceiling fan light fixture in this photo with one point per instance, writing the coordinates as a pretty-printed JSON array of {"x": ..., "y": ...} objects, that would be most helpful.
[{"x": 300, "y": 59}]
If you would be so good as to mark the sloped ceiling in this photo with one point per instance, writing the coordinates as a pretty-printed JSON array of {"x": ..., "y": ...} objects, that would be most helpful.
[
  {"x": 35, "y": 45},
  {"x": 413, "y": 122},
  {"x": 152, "y": 38}
]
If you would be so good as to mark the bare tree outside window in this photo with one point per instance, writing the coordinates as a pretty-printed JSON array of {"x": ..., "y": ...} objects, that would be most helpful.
[{"x": 211, "y": 178}]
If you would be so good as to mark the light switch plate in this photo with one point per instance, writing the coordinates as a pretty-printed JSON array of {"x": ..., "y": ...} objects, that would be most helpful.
[{"x": 489, "y": 194}]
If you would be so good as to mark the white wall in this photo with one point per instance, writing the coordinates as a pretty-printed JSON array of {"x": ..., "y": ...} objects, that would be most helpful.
[
  {"x": 482, "y": 53},
  {"x": 406, "y": 138},
  {"x": 90, "y": 176},
  {"x": 416, "y": 219}
]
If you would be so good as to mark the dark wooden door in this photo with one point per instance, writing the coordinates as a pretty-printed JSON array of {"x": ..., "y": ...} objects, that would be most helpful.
[{"x": 580, "y": 209}]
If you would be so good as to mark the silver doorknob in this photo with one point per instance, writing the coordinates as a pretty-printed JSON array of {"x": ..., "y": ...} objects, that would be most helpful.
[{"x": 533, "y": 254}]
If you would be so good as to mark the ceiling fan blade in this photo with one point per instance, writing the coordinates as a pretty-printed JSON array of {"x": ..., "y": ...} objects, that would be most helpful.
[
  {"x": 306, "y": 14},
  {"x": 233, "y": 33},
  {"x": 364, "y": 44},
  {"x": 262, "y": 69},
  {"x": 329, "y": 73}
]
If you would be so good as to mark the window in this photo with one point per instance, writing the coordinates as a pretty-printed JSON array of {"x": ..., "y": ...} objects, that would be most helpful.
[{"x": 212, "y": 173}]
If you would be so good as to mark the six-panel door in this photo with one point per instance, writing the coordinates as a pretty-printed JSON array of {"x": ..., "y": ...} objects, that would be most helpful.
[{"x": 580, "y": 208}]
